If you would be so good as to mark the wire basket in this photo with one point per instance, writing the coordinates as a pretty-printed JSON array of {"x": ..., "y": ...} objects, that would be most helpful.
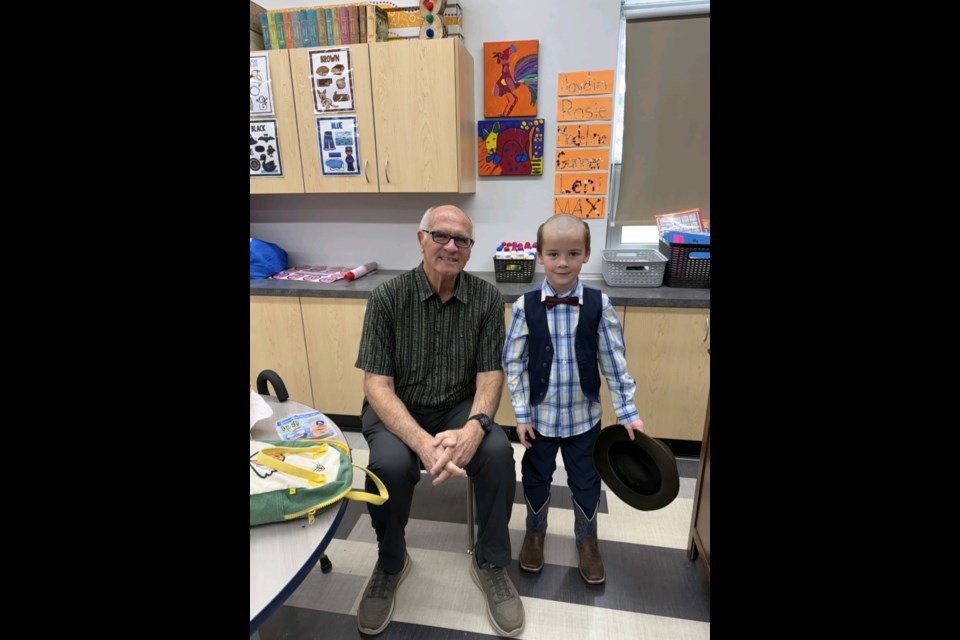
[
  {"x": 689, "y": 264},
  {"x": 513, "y": 270},
  {"x": 633, "y": 267}
]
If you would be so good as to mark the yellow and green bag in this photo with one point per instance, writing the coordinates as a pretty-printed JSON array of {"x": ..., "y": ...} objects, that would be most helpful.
[{"x": 299, "y": 478}]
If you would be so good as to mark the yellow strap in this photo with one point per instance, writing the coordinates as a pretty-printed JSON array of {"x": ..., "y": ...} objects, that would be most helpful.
[
  {"x": 363, "y": 496},
  {"x": 314, "y": 478}
]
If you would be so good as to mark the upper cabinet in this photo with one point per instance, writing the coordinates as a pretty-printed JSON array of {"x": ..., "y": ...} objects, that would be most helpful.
[
  {"x": 423, "y": 107},
  {"x": 310, "y": 139},
  {"x": 413, "y": 103},
  {"x": 284, "y": 123}
]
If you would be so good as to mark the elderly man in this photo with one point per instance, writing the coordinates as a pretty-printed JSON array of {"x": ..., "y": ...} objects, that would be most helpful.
[{"x": 431, "y": 347}]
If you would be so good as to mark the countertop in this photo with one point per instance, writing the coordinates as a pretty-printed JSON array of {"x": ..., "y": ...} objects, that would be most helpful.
[{"x": 361, "y": 288}]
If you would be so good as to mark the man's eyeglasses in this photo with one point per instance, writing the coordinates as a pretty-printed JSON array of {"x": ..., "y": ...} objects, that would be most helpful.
[{"x": 442, "y": 237}]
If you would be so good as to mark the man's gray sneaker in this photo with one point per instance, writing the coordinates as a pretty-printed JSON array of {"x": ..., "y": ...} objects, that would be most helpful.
[
  {"x": 504, "y": 607},
  {"x": 376, "y": 606}
]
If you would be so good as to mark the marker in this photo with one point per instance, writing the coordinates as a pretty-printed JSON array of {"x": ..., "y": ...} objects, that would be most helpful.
[{"x": 360, "y": 271}]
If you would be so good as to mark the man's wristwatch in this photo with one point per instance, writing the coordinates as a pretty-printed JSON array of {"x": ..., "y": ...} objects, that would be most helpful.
[{"x": 485, "y": 422}]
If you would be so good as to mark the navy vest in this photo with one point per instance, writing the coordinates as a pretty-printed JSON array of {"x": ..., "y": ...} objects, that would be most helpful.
[{"x": 540, "y": 346}]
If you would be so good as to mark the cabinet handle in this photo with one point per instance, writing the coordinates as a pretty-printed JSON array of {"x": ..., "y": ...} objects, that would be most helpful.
[
  {"x": 707, "y": 334},
  {"x": 365, "y": 163},
  {"x": 386, "y": 170}
]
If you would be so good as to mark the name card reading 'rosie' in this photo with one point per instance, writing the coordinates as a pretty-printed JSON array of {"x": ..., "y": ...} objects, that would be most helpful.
[{"x": 573, "y": 109}]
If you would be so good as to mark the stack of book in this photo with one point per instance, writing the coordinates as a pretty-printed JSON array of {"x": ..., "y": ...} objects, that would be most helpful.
[{"x": 326, "y": 26}]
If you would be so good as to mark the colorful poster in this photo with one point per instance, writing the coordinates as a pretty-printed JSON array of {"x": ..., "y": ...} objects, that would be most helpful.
[
  {"x": 583, "y": 135},
  {"x": 339, "y": 153},
  {"x": 261, "y": 95},
  {"x": 510, "y": 78},
  {"x": 264, "y": 149},
  {"x": 331, "y": 77},
  {"x": 510, "y": 147},
  {"x": 585, "y": 83},
  {"x": 580, "y": 207},
  {"x": 573, "y": 109}
]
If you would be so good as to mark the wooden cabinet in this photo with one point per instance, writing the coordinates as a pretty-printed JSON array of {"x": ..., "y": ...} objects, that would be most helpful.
[
  {"x": 700, "y": 523},
  {"x": 303, "y": 91},
  {"x": 333, "y": 327},
  {"x": 667, "y": 355},
  {"x": 277, "y": 343},
  {"x": 285, "y": 116},
  {"x": 423, "y": 106},
  {"x": 413, "y": 100}
]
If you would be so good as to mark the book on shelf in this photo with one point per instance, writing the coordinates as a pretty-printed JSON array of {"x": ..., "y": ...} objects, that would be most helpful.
[
  {"x": 353, "y": 21},
  {"x": 265, "y": 31},
  {"x": 288, "y": 30},
  {"x": 295, "y": 27},
  {"x": 344, "y": 24},
  {"x": 321, "y": 27},
  {"x": 281, "y": 39},
  {"x": 311, "y": 36},
  {"x": 362, "y": 21}
]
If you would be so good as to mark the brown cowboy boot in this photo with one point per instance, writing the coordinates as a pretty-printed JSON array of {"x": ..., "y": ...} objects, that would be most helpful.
[
  {"x": 531, "y": 553},
  {"x": 591, "y": 563}
]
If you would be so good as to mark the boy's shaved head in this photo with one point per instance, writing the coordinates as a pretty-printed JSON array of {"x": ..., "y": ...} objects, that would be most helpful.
[{"x": 561, "y": 223}]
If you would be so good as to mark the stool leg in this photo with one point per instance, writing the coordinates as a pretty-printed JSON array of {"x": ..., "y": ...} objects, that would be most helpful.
[
  {"x": 325, "y": 565},
  {"x": 471, "y": 532}
]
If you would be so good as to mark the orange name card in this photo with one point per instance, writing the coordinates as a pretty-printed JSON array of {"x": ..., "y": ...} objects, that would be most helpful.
[
  {"x": 583, "y": 135},
  {"x": 580, "y": 207},
  {"x": 585, "y": 83},
  {"x": 579, "y": 184},
  {"x": 573, "y": 109},
  {"x": 583, "y": 159}
]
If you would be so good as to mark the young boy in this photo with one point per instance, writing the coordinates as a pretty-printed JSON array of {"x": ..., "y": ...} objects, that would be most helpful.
[{"x": 558, "y": 335}]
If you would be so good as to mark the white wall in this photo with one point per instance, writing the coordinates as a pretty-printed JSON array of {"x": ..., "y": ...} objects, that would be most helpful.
[{"x": 356, "y": 228}]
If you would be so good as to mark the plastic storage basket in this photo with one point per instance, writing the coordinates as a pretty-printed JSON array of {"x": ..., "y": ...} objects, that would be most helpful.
[
  {"x": 633, "y": 267},
  {"x": 513, "y": 270},
  {"x": 689, "y": 264}
]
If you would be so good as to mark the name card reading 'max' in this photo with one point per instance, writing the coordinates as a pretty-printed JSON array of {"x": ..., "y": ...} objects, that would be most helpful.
[
  {"x": 585, "y": 83},
  {"x": 579, "y": 184},
  {"x": 580, "y": 207},
  {"x": 583, "y": 159},
  {"x": 573, "y": 109},
  {"x": 583, "y": 135}
]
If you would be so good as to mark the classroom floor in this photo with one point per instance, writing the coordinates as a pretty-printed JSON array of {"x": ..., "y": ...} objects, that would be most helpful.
[{"x": 652, "y": 590}]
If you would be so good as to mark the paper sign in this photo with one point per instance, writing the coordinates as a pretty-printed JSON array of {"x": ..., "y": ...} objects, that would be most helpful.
[
  {"x": 580, "y": 183},
  {"x": 573, "y": 109},
  {"x": 583, "y": 159},
  {"x": 264, "y": 149},
  {"x": 583, "y": 135},
  {"x": 331, "y": 78},
  {"x": 585, "y": 83},
  {"x": 580, "y": 207}
]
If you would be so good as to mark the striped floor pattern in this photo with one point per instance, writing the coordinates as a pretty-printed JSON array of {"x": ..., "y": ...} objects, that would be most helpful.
[{"x": 652, "y": 590}]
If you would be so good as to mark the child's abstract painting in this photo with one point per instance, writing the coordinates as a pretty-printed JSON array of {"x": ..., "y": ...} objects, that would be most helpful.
[
  {"x": 510, "y": 78},
  {"x": 510, "y": 147}
]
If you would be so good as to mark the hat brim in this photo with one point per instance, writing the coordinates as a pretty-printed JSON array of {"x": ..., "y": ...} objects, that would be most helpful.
[{"x": 641, "y": 472}]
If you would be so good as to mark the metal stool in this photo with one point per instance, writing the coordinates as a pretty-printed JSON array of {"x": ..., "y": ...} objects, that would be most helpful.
[{"x": 471, "y": 506}]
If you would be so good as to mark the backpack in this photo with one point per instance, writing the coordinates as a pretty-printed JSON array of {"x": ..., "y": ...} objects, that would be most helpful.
[{"x": 299, "y": 478}]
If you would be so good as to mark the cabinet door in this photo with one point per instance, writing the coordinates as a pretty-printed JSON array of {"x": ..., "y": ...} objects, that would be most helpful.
[
  {"x": 304, "y": 87},
  {"x": 506, "y": 416},
  {"x": 421, "y": 107},
  {"x": 286, "y": 118},
  {"x": 277, "y": 343},
  {"x": 667, "y": 355},
  {"x": 333, "y": 327}
]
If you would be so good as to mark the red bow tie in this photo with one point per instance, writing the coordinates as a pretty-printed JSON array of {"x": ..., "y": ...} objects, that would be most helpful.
[{"x": 552, "y": 301}]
